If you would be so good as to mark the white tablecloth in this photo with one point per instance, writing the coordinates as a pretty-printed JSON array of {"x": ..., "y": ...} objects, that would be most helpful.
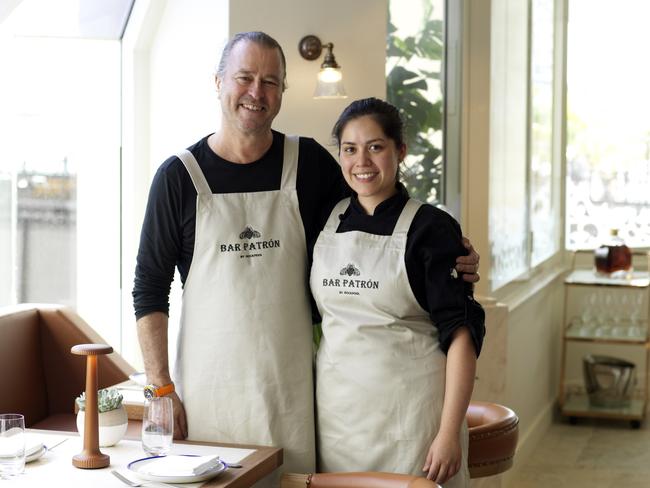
[{"x": 55, "y": 467}]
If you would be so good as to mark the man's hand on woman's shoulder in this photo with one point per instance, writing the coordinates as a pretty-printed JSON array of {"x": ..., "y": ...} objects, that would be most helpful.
[{"x": 468, "y": 265}]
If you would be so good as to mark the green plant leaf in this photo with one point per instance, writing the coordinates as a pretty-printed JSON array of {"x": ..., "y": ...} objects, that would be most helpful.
[
  {"x": 401, "y": 48},
  {"x": 430, "y": 74},
  {"x": 410, "y": 44},
  {"x": 400, "y": 75},
  {"x": 430, "y": 47},
  {"x": 435, "y": 27},
  {"x": 396, "y": 49},
  {"x": 408, "y": 89}
]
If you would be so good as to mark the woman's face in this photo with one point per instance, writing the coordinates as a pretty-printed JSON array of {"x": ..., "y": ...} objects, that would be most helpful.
[{"x": 369, "y": 161}]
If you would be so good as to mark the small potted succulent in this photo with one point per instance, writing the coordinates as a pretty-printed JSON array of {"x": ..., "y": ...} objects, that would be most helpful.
[{"x": 113, "y": 420}]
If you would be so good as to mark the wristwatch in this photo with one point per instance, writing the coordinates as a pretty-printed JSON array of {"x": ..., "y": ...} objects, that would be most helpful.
[{"x": 153, "y": 391}]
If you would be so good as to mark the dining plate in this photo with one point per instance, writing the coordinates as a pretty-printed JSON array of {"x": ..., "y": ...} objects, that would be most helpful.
[
  {"x": 35, "y": 455},
  {"x": 138, "y": 465}
]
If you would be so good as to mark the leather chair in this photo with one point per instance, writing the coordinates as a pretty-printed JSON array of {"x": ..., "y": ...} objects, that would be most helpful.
[
  {"x": 493, "y": 435},
  {"x": 355, "y": 480},
  {"x": 39, "y": 376}
]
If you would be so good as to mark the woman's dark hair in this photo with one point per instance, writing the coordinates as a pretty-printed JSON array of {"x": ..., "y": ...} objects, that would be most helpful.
[
  {"x": 260, "y": 38},
  {"x": 385, "y": 114}
]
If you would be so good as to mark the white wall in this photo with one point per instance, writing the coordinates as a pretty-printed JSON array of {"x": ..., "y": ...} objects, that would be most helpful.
[
  {"x": 534, "y": 346},
  {"x": 183, "y": 56},
  {"x": 356, "y": 28}
]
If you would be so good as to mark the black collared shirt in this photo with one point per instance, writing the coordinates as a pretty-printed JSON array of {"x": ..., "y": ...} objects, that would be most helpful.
[
  {"x": 434, "y": 241},
  {"x": 167, "y": 237}
]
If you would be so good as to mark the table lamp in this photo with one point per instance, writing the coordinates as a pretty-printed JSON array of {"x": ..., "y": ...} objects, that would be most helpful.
[{"x": 91, "y": 457}]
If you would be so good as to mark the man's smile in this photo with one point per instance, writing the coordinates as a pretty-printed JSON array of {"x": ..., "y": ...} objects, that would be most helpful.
[{"x": 252, "y": 107}]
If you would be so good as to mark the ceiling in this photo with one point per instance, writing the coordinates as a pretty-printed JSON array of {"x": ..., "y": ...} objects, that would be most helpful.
[{"x": 87, "y": 19}]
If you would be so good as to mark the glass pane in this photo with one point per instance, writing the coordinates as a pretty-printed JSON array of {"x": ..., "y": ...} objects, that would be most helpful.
[
  {"x": 508, "y": 200},
  {"x": 46, "y": 228},
  {"x": 414, "y": 65},
  {"x": 7, "y": 230},
  {"x": 61, "y": 120},
  {"x": 544, "y": 204},
  {"x": 608, "y": 140}
]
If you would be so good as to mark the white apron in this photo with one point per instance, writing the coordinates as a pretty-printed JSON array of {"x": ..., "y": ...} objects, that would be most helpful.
[
  {"x": 380, "y": 374},
  {"x": 244, "y": 363}
]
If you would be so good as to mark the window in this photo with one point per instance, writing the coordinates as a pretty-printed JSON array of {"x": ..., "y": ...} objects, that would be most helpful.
[
  {"x": 60, "y": 171},
  {"x": 608, "y": 140},
  {"x": 524, "y": 201},
  {"x": 509, "y": 95},
  {"x": 544, "y": 176},
  {"x": 414, "y": 69}
]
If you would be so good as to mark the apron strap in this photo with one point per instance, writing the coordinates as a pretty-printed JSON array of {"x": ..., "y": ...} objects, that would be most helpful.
[
  {"x": 290, "y": 163},
  {"x": 333, "y": 221},
  {"x": 193, "y": 168},
  {"x": 406, "y": 217}
]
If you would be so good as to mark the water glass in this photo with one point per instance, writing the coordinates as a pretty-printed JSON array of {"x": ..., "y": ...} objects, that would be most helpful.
[
  {"x": 158, "y": 426},
  {"x": 12, "y": 445}
]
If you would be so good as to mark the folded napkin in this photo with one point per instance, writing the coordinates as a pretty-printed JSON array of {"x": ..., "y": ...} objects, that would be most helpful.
[{"x": 180, "y": 465}]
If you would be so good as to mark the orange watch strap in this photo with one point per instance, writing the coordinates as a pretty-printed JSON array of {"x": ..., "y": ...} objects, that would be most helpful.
[{"x": 165, "y": 390}]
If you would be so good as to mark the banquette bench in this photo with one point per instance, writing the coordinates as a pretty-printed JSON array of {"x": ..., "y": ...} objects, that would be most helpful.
[{"x": 39, "y": 377}]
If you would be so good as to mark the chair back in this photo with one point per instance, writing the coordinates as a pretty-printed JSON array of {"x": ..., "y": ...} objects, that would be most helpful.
[
  {"x": 493, "y": 436},
  {"x": 355, "y": 480}
]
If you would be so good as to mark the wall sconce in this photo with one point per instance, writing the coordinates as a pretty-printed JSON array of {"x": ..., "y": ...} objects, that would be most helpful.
[{"x": 330, "y": 78}]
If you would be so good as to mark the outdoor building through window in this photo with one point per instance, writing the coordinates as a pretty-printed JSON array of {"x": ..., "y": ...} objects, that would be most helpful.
[
  {"x": 608, "y": 140},
  {"x": 60, "y": 164}
]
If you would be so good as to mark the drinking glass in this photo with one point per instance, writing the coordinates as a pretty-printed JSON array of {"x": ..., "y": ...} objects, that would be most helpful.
[
  {"x": 588, "y": 313},
  {"x": 12, "y": 445},
  {"x": 158, "y": 426}
]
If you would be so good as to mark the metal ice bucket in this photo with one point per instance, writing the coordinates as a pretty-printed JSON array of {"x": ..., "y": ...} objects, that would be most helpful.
[{"x": 608, "y": 380}]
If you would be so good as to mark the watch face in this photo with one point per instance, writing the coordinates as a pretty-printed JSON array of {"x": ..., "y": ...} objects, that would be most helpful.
[{"x": 149, "y": 392}]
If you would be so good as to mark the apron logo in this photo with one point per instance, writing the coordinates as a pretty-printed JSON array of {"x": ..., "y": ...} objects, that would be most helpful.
[
  {"x": 453, "y": 273},
  {"x": 251, "y": 245},
  {"x": 348, "y": 286},
  {"x": 249, "y": 233},
  {"x": 350, "y": 270}
]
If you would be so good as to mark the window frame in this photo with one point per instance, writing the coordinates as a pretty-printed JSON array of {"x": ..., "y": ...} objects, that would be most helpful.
[{"x": 475, "y": 148}]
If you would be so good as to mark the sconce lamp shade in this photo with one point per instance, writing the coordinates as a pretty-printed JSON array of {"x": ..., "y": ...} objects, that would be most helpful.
[
  {"x": 330, "y": 84},
  {"x": 330, "y": 77}
]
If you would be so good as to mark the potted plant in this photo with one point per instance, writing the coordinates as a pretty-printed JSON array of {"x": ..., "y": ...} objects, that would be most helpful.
[{"x": 113, "y": 420}]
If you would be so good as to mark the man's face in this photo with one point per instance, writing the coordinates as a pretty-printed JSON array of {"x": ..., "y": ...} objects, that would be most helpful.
[{"x": 250, "y": 89}]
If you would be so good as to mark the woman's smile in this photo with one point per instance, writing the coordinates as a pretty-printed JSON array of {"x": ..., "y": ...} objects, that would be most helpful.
[{"x": 369, "y": 161}]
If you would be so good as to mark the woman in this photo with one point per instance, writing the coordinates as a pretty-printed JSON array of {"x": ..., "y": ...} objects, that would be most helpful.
[{"x": 401, "y": 331}]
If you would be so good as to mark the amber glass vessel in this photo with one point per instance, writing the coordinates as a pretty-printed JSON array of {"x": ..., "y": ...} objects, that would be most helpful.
[{"x": 613, "y": 258}]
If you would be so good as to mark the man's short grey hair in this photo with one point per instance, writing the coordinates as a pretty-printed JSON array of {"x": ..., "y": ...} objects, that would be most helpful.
[{"x": 261, "y": 38}]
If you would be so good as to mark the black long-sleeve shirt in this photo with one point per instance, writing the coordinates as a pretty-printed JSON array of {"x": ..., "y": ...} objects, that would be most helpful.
[
  {"x": 167, "y": 238},
  {"x": 433, "y": 242}
]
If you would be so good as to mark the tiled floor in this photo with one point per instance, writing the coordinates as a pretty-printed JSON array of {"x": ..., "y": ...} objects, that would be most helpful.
[{"x": 591, "y": 454}]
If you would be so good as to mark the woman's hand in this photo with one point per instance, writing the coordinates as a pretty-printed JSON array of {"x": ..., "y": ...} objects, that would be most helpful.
[{"x": 444, "y": 458}]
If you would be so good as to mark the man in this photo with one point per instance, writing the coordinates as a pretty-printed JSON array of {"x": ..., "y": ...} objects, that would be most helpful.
[{"x": 235, "y": 214}]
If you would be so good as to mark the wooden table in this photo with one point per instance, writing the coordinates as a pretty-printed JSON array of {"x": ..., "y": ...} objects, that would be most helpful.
[{"x": 56, "y": 465}]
